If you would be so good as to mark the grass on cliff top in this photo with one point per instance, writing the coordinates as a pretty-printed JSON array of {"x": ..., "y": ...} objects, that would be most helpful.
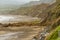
[{"x": 54, "y": 35}]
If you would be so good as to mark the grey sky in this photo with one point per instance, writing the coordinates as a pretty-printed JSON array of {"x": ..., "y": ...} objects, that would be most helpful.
[
  {"x": 20, "y": 1},
  {"x": 15, "y": 1}
]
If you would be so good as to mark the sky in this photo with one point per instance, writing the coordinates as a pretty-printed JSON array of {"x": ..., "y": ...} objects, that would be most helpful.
[
  {"x": 15, "y": 1},
  {"x": 21, "y": 1}
]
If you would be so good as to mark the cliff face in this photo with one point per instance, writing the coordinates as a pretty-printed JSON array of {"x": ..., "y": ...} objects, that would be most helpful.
[
  {"x": 53, "y": 14},
  {"x": 58, "y": 1},
  {"x": 49, "y": 13},
  {"x": 30, "y": 11},
  {"x": 53, "y": 20}
]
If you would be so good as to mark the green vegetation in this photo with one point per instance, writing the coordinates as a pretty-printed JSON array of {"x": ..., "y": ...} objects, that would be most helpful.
[{"x": 54, "y": 35}]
